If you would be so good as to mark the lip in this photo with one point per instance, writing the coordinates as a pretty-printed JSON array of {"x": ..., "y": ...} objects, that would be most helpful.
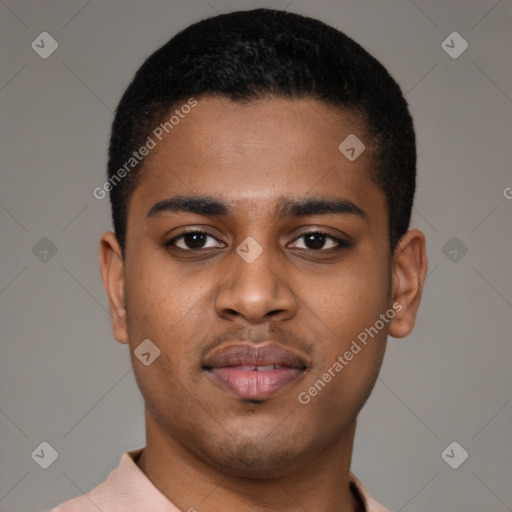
[{"x": 238, "y": 368}]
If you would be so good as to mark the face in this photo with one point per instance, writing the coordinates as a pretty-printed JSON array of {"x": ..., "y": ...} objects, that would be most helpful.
[{"x": 257, "y": 295}]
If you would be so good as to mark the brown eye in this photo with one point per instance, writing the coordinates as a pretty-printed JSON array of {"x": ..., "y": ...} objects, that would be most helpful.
[
  {"x": 193, "y": 240},
  {"x": 316, "y": 241}
]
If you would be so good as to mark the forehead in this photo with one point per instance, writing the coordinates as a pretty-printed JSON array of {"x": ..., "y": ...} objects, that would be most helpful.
[{"x": 254, "y": 153}]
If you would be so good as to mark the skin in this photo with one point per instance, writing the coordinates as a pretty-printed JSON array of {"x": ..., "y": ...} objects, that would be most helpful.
[{"x": 207, "y": 448}]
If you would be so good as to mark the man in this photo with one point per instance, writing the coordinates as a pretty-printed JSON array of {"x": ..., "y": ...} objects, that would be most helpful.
[{"x": 261, "y": 173}]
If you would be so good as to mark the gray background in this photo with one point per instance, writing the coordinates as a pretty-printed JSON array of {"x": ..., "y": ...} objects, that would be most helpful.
[{"x": 66, "y": 381}]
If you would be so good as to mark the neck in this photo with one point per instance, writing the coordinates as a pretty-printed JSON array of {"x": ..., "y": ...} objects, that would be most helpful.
[{"x": 193, "y": 485}]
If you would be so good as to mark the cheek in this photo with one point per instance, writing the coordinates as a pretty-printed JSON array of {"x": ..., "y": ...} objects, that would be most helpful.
[
  {"x": 347, "y": 313},
  {"x": 352, "y": 299},
  {"x": 166, "y": 310},
  {"x": 160, "y": 297}
]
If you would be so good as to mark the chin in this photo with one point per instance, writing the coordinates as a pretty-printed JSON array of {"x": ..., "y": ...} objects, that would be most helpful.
[{"x": 254, "y": 458}]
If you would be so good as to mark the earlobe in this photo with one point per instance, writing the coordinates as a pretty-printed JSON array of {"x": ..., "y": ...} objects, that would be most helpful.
[
  {"x": 409, "y": 269},
  {"x": 112, "y": 274}
]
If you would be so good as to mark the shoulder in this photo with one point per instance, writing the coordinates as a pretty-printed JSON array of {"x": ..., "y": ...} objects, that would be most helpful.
[
  {"x": 370, "y": 505},
  {"x": 126, "y": 488}
]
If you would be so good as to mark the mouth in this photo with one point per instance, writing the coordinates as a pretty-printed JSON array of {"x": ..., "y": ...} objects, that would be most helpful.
[{"x": 255, "y": 372}]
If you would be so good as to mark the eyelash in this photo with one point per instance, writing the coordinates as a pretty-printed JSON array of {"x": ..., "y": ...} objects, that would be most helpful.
[{"x": 342, "y": 244}]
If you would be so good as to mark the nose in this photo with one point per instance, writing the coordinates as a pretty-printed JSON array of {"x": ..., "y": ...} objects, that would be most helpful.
[{"x": 257, "y": 291}]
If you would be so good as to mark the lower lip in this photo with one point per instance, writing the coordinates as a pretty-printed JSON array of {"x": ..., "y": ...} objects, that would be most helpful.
[{"x": 254, "y": 384}]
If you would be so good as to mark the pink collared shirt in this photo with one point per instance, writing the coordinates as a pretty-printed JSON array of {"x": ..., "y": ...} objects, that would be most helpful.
[{"x": 128, "y": 489}]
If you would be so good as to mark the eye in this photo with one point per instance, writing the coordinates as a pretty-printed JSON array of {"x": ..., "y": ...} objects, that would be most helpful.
[
  {"x": 316, "y": 240},
  {"x": 193, "y": 240}
]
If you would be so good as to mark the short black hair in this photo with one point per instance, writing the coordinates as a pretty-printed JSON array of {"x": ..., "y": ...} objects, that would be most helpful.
[{"x": 265, "y": 53}]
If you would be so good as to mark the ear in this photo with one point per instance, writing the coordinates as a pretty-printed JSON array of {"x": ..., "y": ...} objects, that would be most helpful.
[
  {"x": 112, "y": 274},
  {"x": 409, "y": 268}
]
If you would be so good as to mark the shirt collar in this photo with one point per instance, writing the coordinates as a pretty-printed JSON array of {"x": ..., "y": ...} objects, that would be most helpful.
[
  {"x": 358, "y": 489},
  {"x": 128, "y": 488}
]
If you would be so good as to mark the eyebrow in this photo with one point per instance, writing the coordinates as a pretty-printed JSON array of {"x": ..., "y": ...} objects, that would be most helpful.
[{"x": 287, "y": 207}]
